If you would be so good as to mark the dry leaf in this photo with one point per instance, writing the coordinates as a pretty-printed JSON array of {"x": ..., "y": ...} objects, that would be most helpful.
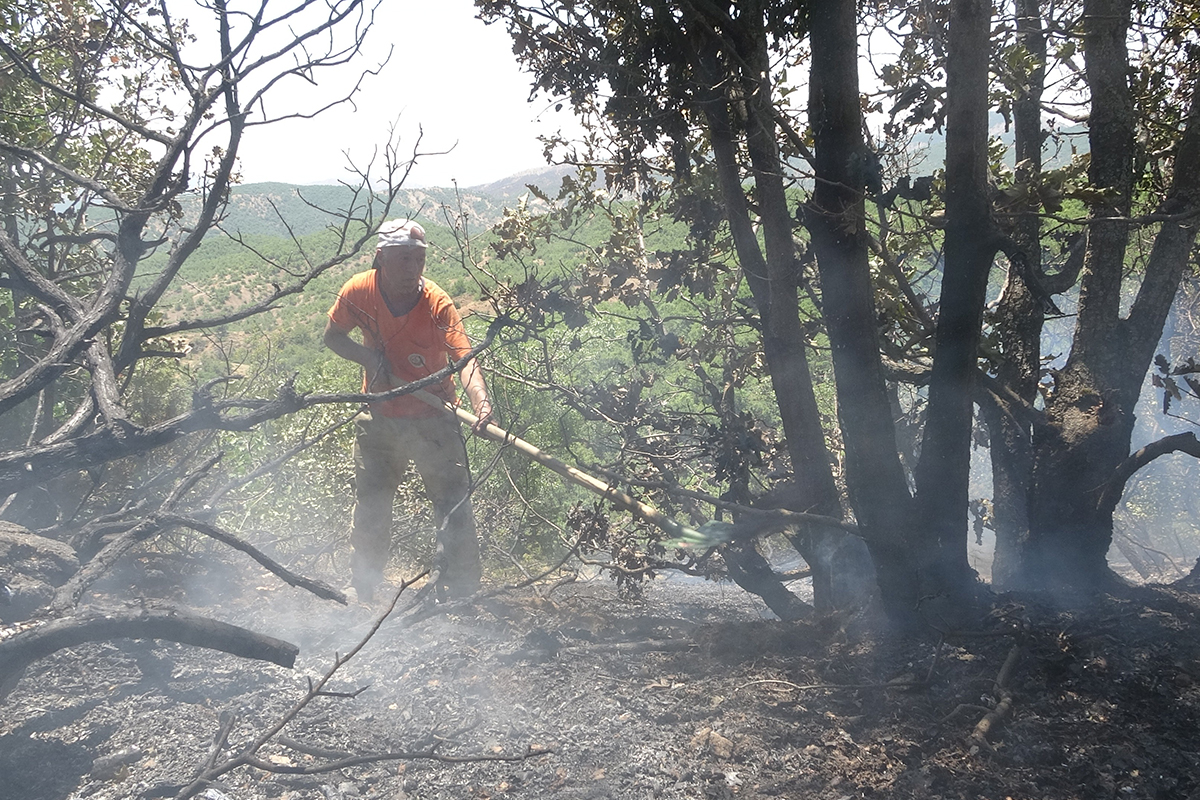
[{"x": 721, "y": 747}]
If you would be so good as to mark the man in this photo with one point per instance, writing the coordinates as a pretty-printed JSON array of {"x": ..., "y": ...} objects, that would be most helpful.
[{"x": 410, "y": 329}]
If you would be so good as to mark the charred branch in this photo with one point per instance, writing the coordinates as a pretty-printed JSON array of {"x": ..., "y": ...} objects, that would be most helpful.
[
  {"x": 69, "y": 594},
  {"x": 171, "y": 625},
  {"x": 1004, "y": 702},
  {"x": 211, "y": 770},
  {"x": 32, "y": 281},
  {"x": 1111, "y": 493},
  {"x": 319, "y": 588},
  {"x": 23, "y": 468},
  {"x": 102, "y": 312}
]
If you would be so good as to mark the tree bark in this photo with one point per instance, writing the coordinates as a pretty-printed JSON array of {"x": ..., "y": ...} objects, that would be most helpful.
[
  {"x": 1018, "y": 321},
  {"x": 835, "y": 217},
  {"x": 783, "y": 340},
  {"x": 943, "y": 472},
  {"x": 1090, "y": 412},
  {"x": 828, "y": 552}
]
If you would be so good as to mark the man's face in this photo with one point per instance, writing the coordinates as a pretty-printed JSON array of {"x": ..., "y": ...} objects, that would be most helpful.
[{"x": 402, "y": 267}]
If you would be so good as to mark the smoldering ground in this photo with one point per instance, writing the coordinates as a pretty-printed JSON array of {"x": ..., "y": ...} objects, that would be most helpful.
[
  {"x": 486, "y": 682},
  {"x": 689, "y": 693}
]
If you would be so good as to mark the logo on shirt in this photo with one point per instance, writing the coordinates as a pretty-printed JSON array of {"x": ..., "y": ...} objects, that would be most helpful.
[{"x": 417, "y": 360}]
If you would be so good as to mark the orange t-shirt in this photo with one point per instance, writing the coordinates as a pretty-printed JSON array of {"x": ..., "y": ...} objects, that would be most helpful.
[{"x": 417, "y": 344}]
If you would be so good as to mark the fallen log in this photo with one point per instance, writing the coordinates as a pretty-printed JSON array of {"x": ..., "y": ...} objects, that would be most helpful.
[{"x": 171, "y": 625}]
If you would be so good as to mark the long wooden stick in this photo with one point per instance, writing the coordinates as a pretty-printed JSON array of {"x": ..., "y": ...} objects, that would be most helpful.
[{"x": 605, "y": 490}]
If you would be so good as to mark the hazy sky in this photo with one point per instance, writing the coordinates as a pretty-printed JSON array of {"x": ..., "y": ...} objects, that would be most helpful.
[{"x": 449, "y": 73}]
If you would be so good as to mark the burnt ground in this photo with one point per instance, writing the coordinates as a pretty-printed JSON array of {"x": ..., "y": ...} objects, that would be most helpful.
[{"x": 690, "y": 693}]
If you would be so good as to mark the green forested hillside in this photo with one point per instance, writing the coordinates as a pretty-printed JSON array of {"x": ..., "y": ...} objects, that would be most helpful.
[
  {"x": 273, "y": 232},
  {"x": 274, "y": 209}
]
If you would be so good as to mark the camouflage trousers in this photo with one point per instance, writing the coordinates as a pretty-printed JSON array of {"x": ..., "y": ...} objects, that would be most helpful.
[{"x": 383, "y": 449}]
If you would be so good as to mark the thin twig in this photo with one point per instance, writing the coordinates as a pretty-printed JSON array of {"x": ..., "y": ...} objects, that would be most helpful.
[
  {"x": 248, "y": 754},
  {"x": 837, "y": 686},
  {"x": 992, "y": 719}
]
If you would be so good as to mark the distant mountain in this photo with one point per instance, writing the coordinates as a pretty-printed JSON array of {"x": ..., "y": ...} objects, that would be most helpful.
[
  {"x": 271, "y": 209},
  {"x": 547, "y": 179},
  {"x": 262, "y": 209}
]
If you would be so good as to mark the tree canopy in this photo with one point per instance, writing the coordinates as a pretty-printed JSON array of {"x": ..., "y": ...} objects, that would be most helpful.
[
  {"x": 692, "y": 105},
  {"x": 788, "y": 318}
]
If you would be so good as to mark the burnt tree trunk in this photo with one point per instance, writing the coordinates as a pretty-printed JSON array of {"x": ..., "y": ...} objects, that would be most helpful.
[
  {"x": 1090, "y": 417},
  {"x": 835, "y": 217},
  {"x": 838, "y": 561},
  {"x": 1090, "y": 413},
  {"x": 773, "y": 279},
  {"x": 783, "y": 347},
  {"x": 943, "y": 472},
  {"x": 1018, "y": 321}
]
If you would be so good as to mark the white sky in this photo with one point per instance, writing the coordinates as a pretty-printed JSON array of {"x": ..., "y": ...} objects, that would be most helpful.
[{"x": 449, "y": 74}]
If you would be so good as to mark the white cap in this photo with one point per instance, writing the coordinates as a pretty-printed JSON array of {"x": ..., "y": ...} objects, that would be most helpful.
[{"x": 401, "y": 233}]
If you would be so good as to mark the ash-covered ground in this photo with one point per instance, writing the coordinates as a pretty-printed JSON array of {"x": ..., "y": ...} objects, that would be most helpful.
[{"x": 690, "y": 693}]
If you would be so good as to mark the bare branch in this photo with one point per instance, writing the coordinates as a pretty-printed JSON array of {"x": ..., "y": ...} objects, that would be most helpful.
[
  {"x": 1111, "y": 492},
  {"x": 173, "y": 625},
  {"x": 248, "y": 754},
  {"x": 319, "y": 588}
]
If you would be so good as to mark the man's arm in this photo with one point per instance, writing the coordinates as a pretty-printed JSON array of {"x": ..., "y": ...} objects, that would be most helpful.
[
  {"x": 374, "y": 362},
  {"x": 472, "y": 380}
]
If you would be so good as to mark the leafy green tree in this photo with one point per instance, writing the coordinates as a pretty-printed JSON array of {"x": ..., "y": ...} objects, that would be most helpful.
[
  {"x": 691, "y": 90},
  {"x": 678, "y": 77}
]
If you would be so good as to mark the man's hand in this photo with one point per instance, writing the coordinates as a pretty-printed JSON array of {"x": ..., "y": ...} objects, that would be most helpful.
[
  {"x": 373, "y": 361},
  {"x": 472, "y": 381},
  {"x": 483, "y": 410},
  {"x": 381, "y": 375}
]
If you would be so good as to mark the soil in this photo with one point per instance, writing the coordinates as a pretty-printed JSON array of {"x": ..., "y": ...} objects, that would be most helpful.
[{"x": 691, "y": 692}]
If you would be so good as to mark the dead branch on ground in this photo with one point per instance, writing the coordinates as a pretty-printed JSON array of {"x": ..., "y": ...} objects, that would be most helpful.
[
  {"x": 808, "y": 687},
  {"x": 319, "y": 588},
  {"x": 996, "y": 716},
  {"x": 69, "y": 594},
  {"x": 249, "y": 754},
  {"x": 173, "y": 625}
]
